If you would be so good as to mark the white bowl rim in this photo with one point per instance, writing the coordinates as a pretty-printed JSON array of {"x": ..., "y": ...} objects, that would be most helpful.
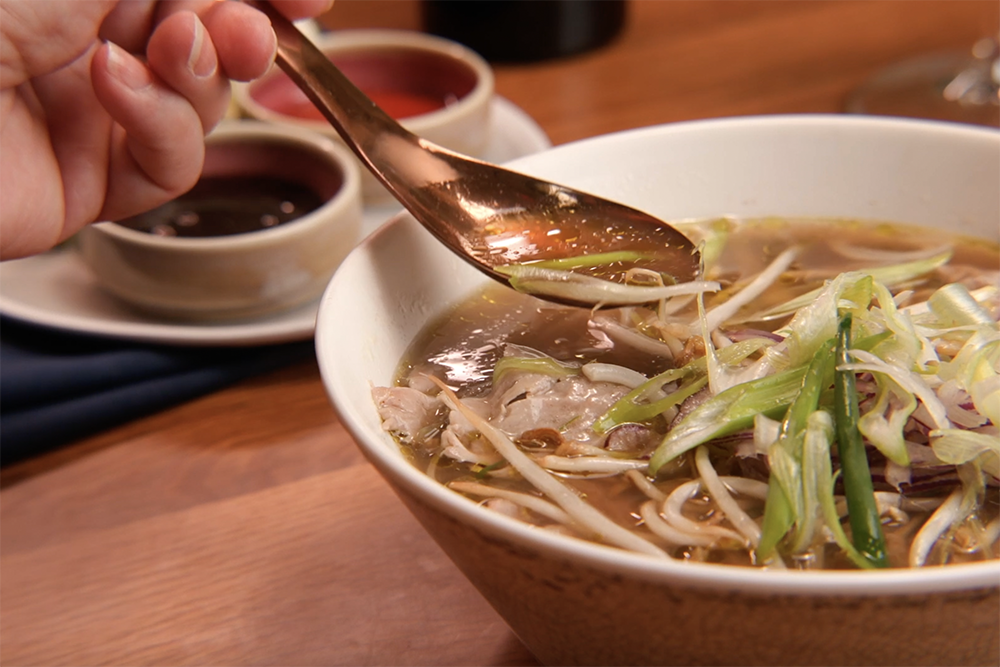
[
  {"x": 359, "y": 39},
  {"x": 337, "y": 206},
  {"x": 723, "y": 578}
]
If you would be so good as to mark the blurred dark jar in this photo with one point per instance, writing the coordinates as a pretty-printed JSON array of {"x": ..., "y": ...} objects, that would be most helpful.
[{"x": 525, "y": 30}]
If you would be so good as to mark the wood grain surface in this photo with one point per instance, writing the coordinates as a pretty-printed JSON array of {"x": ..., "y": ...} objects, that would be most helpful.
[{"x": 244, "y": 528}]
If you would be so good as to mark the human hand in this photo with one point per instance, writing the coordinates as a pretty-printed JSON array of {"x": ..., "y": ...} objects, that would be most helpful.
[{"x": 104, "y": 104}]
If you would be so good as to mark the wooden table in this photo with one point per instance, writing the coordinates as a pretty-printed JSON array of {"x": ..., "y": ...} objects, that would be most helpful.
[{"x": 245, "y": 528}]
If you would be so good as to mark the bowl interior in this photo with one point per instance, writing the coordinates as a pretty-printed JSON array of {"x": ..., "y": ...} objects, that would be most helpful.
[
  {"x": 404, "y": 80},
  {"x": 277, "y": 158},
  {"x": 251, "y": 181},
  {"x": 400, "y": 278}
]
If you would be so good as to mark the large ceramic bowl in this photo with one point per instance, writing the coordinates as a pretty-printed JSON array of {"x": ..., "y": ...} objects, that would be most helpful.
[{"x": 573, "y": 602}]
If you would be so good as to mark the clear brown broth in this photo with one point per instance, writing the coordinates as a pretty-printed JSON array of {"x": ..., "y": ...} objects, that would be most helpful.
[{"x": 464, "y": 345}]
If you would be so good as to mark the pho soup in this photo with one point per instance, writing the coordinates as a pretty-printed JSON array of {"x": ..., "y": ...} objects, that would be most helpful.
[{"x": 830, "y": 401}]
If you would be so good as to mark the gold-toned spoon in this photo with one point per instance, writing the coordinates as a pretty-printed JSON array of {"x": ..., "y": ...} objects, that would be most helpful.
[{"x": 490, "y": 216}]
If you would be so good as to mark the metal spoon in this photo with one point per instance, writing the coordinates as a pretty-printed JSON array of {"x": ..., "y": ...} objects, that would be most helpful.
[{"x": 488, "y": 215}]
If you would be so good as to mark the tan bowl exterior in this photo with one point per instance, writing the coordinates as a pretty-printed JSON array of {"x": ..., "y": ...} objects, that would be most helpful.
[
  {"x": 571, "y": 613},
  {"x": 576, "y": 602},
  {"x": 237, "y": 276},
  {"x": 462, "y": 126}
]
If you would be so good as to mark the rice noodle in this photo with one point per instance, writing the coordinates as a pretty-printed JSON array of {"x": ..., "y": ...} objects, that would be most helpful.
[
  {"x": 454, "y": 448},
  {"x": 632, "y": 338},
  {"x": 652, "y": 519},
  {"x": 671, "y": 511},
  {"x": 734, "y": 513},
  {"x": 565, "y": 497},
  {"x": 571, "y": 448},
  {"x": 938, "y": 523},
  {"x": 863, "y": 253},
  {"x": 433, "y": 466},
  {"x": 583, "y": 288},
  {"x": 584, "y": 464},
  {"x": 600, "y": 372},
  {"x": 533, "y": 503},
  {"x": 991, "y": 533},
  {"x": 754, "y": 288},
  {"x": 648, "y": 489}
]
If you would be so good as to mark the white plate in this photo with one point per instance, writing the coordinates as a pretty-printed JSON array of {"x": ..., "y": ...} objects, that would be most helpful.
[{"x": 56, "y": 290}]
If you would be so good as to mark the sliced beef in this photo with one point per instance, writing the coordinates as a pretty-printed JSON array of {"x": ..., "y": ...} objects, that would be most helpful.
[{"x": 408, "y": 414}]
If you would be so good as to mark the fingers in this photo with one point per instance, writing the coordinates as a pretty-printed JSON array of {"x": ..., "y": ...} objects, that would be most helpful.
[
  {"x": 130, "y": 24},
  {"x": 241, "y": 33},
  {"x": 243, "y": 39},
  {"x": 183, "y": 55},
  {"x": 242, "y": 36},
  {"x": 300, "y": 9},
  {"x": 161, "y": 108},
  {"x": 156, "y": 151},
  {"x": 77, "y": 128}
]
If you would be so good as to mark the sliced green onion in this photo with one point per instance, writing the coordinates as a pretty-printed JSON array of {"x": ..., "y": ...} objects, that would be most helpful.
[
  {"x": 977, "y": 368},
  {"x": 543, "y": 365},
  {"x": 887, "y": 275},
  {"x": 905, "y": 378},
  {"x": 954, "y": 305},
  {"x": 883, "y": 424},
  {"x": 629, "y": 409},
  {"x": 866, "y": 524},
  {"x": 816, "y": 442},
  {"x": 588, "y": 261},
  {"x": 779, "y": 513},
  {"x": 484, "y": 471},
  {"x": 959, "y": 446},
  {"x": 785, "y": 457},
  {"x": 582, "y": 288},
  {"x": 832, "y": 519},
  {"x": 715, "y": 242},
  {"x": 816, "y": 322},
  {"x": 730, "y": 411},
  {"x": 623, "y": 412},
  {"x": 906, "y": 347}
]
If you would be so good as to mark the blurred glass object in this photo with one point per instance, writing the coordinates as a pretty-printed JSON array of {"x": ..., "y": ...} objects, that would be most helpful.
[
  {"x": 954, "y": 86},
  {"x": 520, "y": 31}
]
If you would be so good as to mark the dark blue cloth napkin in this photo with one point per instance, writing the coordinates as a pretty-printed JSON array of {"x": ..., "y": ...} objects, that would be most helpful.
[{"x": 57, "y": 387}]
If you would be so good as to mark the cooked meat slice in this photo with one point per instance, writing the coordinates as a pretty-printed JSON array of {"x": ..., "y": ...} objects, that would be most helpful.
[
  {"x": 689, "y": 404},
  {"x": 409, "y": 414},
  {"x": 634, "y": 439},
  {"x": 567, "y": 404}
]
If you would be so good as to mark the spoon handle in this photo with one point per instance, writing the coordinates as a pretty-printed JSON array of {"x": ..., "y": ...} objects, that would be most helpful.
[
  {"x": 362, "y": 125},
  {"x": 488, "y": 215}
]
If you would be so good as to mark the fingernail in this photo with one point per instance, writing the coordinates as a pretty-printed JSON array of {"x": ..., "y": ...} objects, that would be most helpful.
[
  {"x": 274, "y": 49},
  {"x": 126, "y": 68},
  {"x": 202, "y": 62}
]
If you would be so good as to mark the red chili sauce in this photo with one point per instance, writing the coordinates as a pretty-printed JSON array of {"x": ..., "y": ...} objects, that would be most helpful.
[{"x": 403, "y": 82}]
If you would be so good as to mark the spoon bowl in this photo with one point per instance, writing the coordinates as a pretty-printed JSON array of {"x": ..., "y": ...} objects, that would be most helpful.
[{"x": 492, "y": 217}]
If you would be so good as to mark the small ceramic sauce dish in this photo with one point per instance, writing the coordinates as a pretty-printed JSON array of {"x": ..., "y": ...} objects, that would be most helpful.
[
  {"x": 437, "y": 89},
  {"x": 275, "y": 211}
]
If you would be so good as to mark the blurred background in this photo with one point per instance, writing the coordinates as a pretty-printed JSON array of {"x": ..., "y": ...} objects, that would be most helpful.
[{"x": 710, "y": 58}]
